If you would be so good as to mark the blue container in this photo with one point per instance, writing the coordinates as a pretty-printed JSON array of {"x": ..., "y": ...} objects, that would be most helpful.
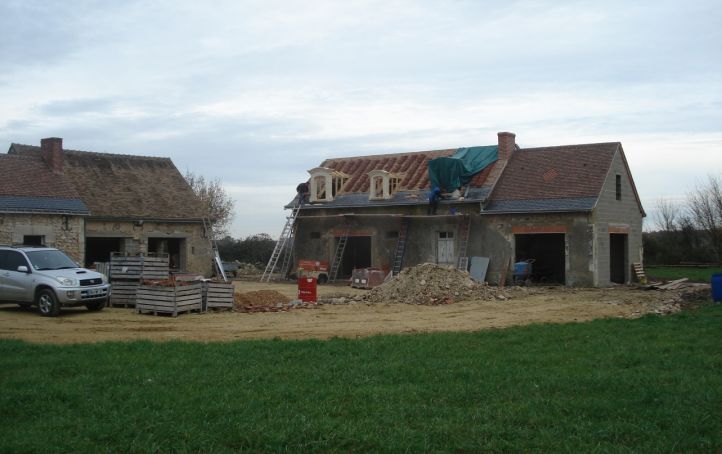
[
  {"x": 717, "y": 287},
  {"x": 522, "y": 269}
]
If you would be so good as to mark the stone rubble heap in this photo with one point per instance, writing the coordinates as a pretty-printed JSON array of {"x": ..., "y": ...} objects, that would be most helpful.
[{"x": 430, "y": 284}]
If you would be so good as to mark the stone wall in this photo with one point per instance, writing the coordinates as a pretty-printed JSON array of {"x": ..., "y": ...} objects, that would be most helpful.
[
  {"x": 63, "y": 232},
  {"x": 195, "y": 248}
]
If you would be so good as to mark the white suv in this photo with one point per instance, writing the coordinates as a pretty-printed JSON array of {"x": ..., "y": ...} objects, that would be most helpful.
[{"x": 50, "y": 279}]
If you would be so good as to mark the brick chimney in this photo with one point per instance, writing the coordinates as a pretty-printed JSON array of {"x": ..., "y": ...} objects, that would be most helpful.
[
  {"x": 52, "y": 151},
  {"x": 507, "y": 144}
]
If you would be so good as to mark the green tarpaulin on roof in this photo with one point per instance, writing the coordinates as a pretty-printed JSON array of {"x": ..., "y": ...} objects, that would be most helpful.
[{"x": 457, "y": 170}]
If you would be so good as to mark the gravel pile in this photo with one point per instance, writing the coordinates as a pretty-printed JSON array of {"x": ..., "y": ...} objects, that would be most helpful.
[{"x": 430, "y": 284}]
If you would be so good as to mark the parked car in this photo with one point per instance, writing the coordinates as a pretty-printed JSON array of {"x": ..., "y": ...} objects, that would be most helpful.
[{"x": 49, "y": 279}]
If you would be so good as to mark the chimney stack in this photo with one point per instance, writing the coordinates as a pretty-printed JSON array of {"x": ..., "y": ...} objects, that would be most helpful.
[
  {"x": 52, "y": 151},
  {"x": 507, "y": 145}
]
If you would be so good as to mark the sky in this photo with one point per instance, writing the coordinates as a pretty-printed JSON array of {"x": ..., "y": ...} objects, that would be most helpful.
[{"x": 256, "y": 93}]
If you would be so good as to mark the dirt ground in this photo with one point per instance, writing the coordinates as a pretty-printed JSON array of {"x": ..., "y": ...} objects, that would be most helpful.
[{"x": 345, "y": 318}]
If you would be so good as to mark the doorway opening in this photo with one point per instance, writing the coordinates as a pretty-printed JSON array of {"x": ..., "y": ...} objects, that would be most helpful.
[
  {"x": 99, "y": 249},
  {"x": 171, "y": 246},
  {"x": 617, "y": 258},
  {"x": 547, "y": 251},
  {"x": 356, "y": 255}
]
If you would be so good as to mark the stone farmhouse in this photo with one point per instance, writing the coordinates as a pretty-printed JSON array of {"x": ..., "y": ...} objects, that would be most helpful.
[
  {"x": 574, "y": 210},
  {"x": 91, "y": 204}
]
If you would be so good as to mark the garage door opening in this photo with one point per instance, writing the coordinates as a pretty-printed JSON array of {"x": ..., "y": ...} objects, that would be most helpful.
[
  {"x": 617, "y": 254},
  {"x": 99, "y": 249},
  {"x": 547, "y": 251},
  {"x": 356, "y": 255},
  {"x": 171, "y": 246}
]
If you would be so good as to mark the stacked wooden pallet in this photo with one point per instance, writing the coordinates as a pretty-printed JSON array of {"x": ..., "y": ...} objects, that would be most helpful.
[
  {"x": 172, "y": 299},
  {"x": 217, "y": 295},
  {"x": 127, "y": 271}
]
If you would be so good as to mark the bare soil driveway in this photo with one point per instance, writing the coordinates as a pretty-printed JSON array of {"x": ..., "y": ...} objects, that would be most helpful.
[{"x": 350, "y": 319}]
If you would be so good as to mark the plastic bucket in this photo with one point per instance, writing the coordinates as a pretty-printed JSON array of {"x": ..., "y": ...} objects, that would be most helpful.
[{"x": 717, "y": 287}]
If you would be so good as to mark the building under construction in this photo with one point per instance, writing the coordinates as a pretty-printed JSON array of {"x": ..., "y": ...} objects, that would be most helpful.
[{"x": 572, "y": 210}]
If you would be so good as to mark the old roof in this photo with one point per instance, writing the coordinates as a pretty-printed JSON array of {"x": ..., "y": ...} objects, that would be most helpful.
[
  {"x": 560, "y": 178},
  {"x": 29, "y": 186},
  {"x": 127, "y": 186}
]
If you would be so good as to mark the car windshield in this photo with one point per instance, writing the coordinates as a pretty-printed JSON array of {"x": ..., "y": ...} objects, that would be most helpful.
[{"x": 50, "y": 260}]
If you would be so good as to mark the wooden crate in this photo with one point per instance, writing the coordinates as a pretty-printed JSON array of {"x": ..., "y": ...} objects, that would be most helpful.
[
  {"x": 156, "y": 267},
  {"x": 139, "y": 266},
  {"x": 217, "y": 295},
  {"x": 123, "y": 293},
  {"x": 169, "y": 300},
  {"x": 126, "y": 267}
]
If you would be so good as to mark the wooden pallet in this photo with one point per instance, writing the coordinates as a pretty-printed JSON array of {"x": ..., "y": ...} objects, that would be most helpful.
[
  {"x": 123, "y": 293},
  {"x": 218, "y": 295},
  {"x": 638, "y": 269},
  {"x": 169, "y": 300}
]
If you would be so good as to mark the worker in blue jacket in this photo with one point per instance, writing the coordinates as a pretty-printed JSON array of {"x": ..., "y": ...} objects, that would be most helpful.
[{"x": 434, "y": 197}]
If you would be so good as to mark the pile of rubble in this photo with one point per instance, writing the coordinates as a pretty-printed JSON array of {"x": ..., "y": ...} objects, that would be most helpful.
[
  {"x": 430, "y": 284},
  {"x": 267, "y": 301}
]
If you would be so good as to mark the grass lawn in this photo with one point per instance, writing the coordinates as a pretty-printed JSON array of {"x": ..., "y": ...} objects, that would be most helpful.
[
  {"x": 678, "y": 272},
  {"x": 651, "y": 384}
]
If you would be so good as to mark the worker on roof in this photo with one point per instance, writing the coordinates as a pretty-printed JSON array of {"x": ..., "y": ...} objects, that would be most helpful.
[
  {"x": 302, "y": 190},
  {"x": 434, "y": 197}
]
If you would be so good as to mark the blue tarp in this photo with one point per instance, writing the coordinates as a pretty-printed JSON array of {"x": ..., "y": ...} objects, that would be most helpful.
[{"x": 457, "y": 170}]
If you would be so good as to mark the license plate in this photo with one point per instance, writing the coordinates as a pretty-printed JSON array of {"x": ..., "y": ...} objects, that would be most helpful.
[{"x": 95, "y": 291}]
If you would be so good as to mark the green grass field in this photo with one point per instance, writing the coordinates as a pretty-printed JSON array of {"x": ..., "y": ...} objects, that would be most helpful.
[
  {"x": 678, "y": 272},
  {"x": 651, "y": 384}
]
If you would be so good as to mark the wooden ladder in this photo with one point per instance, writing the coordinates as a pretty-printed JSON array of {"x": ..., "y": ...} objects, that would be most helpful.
[
  {"x": 286, "y": 236},
  {"x": 338, "y": 257},
  {"x": 464, "y": 230},
  {"x": 400, "y": 247}
]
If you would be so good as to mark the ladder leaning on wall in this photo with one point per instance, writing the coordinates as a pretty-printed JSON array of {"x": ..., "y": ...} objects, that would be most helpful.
[
  {"x": 216, "y": 258},
  {"x": 284, "y": 244}
]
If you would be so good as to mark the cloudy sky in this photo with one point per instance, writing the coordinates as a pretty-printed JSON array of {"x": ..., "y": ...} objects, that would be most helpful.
[{"x": 255, "y": 93}]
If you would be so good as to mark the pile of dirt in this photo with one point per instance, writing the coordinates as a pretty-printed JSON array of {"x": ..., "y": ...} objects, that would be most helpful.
[
  {"x": 267, "y": 301},
  {"x": 430, "y": 284}
]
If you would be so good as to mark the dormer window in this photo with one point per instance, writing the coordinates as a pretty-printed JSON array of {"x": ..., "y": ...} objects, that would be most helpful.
[
  {"x": 383, "y": 184},
  {"x": 326, "y": 184}
]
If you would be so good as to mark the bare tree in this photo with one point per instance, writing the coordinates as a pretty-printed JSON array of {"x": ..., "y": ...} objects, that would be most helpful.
[
  {"x": 666, "y": 215},
  {"x": 218, "y": 205},
  {"x": 705, "y": 209}
]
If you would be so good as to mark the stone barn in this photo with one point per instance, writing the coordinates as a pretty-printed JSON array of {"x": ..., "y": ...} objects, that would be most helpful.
[
  {"x": 572, "y": 210},
  {"x": 91, "y": 204}
]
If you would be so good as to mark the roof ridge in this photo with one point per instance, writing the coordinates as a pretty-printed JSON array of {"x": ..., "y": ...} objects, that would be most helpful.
[
  {"x": 570, "y": 146},
  {"x": 70, "y": 151},
  {"x": 404, "y": 153}
]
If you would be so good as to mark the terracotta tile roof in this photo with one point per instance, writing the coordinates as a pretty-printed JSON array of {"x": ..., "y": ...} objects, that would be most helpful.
[
  {"x": 127, "y": 186},
  {"x": 563, "y": 172},
  {"x": 414, "y": 167}
]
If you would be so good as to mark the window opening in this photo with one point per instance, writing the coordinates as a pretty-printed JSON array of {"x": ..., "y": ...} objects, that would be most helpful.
[{"x": 619, "y": 187}]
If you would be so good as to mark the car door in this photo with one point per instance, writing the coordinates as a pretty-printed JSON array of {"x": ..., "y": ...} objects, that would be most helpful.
[{"x": 16, "y": 285}]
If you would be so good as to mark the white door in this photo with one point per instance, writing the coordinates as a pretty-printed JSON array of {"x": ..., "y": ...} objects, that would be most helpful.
[{"x": 445, "y": 249}]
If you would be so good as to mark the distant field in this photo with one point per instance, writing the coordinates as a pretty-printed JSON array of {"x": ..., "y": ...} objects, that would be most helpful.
[
  {"x": 651, "y": 384},
  {"x": 677, "y": 272}
]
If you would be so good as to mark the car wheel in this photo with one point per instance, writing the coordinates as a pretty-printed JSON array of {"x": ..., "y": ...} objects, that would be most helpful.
[
  {"x": 95, "y": 306},
  {"x": 48, "y": 303}
]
